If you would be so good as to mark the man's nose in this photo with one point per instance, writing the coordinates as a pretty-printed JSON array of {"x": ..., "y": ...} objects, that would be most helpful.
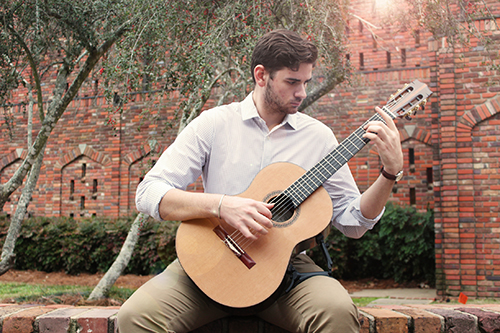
[{"x": 301, "y": 92}]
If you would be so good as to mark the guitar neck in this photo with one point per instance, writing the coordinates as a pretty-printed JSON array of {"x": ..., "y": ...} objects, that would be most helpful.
[{"x": 303, "y": 187}]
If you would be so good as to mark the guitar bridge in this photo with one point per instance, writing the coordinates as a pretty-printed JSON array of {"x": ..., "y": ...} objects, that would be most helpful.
[{"x": 234, "y": 247}]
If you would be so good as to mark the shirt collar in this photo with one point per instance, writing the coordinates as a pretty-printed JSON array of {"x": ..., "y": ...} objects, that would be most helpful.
[{"x": 249, "y": 111}]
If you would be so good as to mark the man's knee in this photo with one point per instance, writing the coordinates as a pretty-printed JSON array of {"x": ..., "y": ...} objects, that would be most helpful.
[
  {"x": 126, "y": 318},
  {"x": 334, "y": 317},
  {"x": 338, "y": 312},
  {"x": 134, "y": 317}
]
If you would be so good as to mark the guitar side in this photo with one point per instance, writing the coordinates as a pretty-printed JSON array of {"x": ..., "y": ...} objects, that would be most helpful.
[{"x": 220, "y": 274}]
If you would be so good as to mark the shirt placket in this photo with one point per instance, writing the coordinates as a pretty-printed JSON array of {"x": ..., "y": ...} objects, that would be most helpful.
[{"x": 268, "y": 149}]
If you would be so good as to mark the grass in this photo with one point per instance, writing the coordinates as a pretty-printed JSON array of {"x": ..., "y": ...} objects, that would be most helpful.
[
  {"x": 364, "y": 301},
  {"x": 23, "y": 292}
]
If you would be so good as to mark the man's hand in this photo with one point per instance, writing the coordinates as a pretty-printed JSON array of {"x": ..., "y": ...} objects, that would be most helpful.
[
  {"x": 385, "y": 137},
  {"x": 252, "y": 218}
]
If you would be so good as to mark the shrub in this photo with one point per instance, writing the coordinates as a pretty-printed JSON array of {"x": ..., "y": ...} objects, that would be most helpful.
[
  {"x": 90, "y": 245},
  {"x": 400, "y": 246}
]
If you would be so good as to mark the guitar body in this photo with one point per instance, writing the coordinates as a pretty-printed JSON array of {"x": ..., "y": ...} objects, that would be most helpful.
[{"x": 220, "y": 274}]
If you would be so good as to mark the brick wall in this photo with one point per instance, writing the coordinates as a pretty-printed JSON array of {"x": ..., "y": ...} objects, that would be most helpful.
[{"x": 451, "y": 149}]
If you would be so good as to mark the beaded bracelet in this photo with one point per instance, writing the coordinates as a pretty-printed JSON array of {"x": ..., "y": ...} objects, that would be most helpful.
[{"x": 220, "y": 204}]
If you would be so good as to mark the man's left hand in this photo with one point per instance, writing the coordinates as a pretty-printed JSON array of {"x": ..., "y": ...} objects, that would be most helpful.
[{"x": 385, "y": 137}]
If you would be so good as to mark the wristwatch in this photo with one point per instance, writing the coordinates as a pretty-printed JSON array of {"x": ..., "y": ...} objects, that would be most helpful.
[{"x": 397, "y": 177}]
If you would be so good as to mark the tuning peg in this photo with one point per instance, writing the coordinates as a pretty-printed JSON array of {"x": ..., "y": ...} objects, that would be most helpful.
[{"x": 422, "y": 106}]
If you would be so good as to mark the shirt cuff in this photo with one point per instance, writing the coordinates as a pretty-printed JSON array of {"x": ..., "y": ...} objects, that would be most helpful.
[
  {"x": 149, "y": 202},
  {"x": 363, "y": 221}
]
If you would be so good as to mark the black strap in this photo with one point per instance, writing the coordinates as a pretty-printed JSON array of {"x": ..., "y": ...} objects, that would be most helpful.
[
  {"x": 329, "y": 263},
  {"x": 295, "y": 277}
]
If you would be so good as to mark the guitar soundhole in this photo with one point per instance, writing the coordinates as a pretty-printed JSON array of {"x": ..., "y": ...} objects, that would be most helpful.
[{"x": 283, "y": 209}]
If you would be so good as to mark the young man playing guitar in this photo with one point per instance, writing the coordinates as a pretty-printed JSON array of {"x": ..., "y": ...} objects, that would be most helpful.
[{"x": 229, "y": 146}]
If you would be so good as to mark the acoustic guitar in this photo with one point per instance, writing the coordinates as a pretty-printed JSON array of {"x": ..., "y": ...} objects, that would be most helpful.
[{"x": 238, "y": 273}]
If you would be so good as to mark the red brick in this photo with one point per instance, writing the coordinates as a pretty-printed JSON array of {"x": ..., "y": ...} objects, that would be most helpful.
[
  {"x": 95, "y": 320},
  {"x": 388, "y": 321},
  {"x": 22, "y": 322}
]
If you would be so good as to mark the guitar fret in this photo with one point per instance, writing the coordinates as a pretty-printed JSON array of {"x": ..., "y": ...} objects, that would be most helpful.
[{"x": 303, "y": 187}]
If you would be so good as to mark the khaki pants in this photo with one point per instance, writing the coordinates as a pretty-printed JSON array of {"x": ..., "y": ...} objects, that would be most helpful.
[{"x": 170, "y": 302}]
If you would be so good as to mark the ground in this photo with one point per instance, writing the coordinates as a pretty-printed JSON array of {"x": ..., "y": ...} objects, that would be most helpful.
[
  {"x": 61, "y": 278},
  {"x": 134, "y": 281}
]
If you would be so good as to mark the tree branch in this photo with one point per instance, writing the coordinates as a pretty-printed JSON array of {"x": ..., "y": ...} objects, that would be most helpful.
[
  {"x": 332, "y": 79},
  {"x": 56, "y": 109},
  {"x": 205, "y": 95},
  {"x": 8, "y": 256},
  {"x": 34, "y": 70}
]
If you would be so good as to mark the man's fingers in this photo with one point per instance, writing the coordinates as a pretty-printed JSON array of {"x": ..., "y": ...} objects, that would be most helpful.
[
  {"x": 251, "y": 218},
  {"x": 264, "y": 216},
  {"x": 388, "y": 120}
]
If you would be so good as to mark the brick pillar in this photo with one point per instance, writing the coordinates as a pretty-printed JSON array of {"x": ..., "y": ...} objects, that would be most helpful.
[
  {"x": 447, "y": 193},
  {"x": 435, "y": 106}
]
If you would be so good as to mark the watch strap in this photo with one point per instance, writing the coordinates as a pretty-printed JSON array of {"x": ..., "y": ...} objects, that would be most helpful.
[{"x": 387, "y": 175}]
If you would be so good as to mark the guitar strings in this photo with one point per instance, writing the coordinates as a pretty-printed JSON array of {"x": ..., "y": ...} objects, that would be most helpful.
[
  {"x": 297, "y": 189},
  {"x": 307, "y": 179},
  {"x": 283, "y": 206}
]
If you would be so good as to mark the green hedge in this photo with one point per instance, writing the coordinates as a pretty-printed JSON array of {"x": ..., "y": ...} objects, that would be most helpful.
[
  {"x": 76, "y": 246},
  {"x": 400, "y": 246}
]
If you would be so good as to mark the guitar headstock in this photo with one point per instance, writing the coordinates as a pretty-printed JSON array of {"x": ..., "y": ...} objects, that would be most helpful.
[{"x": 408, "y": 100}]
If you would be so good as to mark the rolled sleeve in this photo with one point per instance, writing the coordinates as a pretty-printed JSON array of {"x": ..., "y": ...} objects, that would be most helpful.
[
  {"x": 149, "y": 195},
  {"x": 352, "y": 223},
  {"x": 180, "y": 165},
  {"x": 354, "y": 209}
]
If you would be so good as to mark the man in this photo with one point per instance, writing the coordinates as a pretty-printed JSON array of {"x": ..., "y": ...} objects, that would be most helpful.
[{"x": 228, "y": 146}]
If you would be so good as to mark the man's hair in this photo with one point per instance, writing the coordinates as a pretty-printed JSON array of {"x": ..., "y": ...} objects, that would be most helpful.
[{"x": 282, "y": 48}]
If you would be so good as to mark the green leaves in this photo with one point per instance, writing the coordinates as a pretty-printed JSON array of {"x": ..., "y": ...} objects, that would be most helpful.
[
  {"x": 400, "y": 246},
  {"x": 64, "y": 244}
]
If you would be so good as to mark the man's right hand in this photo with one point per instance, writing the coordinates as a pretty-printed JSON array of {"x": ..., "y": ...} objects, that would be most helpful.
[{"x": 250, "y": 217}]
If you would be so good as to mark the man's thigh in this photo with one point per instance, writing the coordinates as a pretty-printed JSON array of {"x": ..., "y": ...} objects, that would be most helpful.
[
  {"x": 168, "y": 302},
  {"x": 318, "y": 304}
]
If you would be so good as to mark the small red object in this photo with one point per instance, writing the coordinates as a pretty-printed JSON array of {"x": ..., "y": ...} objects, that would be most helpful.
[{"x": 462, "y": 298}]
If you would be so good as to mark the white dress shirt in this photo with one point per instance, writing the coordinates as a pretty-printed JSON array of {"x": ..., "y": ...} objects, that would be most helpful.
[{"x": 230, "y": 144}]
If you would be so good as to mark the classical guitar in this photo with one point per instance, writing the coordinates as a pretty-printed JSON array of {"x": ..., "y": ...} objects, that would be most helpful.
[{"x": 239, "y": 273}]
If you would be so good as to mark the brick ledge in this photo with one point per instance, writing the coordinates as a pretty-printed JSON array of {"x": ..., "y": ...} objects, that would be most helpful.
[{"x": 374, "y": 319}]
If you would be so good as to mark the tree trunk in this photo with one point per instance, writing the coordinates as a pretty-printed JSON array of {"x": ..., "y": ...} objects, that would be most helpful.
[
  {"x": 62, "y": 98},
  {"x": 121, "y": 262},
  {"x": 332, "y": 79},
  {"x": 8, "y": 256},
  {"x": 32, "y": 164}
]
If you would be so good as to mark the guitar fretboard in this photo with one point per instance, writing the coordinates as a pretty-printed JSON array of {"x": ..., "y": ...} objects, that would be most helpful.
[{"x": 303, "y": 187}]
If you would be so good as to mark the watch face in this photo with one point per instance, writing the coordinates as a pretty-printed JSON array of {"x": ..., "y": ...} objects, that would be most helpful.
[{"x": 399, "y": 175}]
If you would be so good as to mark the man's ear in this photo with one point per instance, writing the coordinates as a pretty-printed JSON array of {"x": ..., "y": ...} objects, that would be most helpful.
[{"x": 261, "y": 75}]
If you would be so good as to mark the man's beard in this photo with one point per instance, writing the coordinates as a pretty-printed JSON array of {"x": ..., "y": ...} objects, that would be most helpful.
[{"x": 273, "y": 101}]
